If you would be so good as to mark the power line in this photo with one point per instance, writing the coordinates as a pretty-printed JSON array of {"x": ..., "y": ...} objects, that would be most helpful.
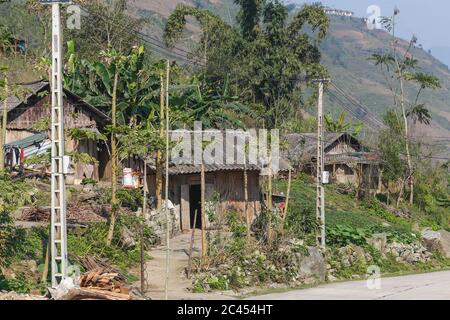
[
  {"x": 344, "y": 106},
  {"x": 359, "y": 105},
  {"x": 156, "y": 44},
  {"x": 376, "y": 149}
]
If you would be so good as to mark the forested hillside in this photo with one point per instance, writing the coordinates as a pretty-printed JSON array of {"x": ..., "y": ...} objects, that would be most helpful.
[{"x": 345, "y": 52}]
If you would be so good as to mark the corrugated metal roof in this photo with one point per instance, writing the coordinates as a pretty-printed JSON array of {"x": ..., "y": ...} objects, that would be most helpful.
[
  {"x": 176, "y": 169},
  {"x": 28, "y": 141},
  {"x": 191, "y": 169}
]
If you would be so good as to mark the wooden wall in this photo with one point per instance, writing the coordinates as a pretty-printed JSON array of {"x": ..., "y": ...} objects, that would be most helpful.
[
  {"x": 229, "y": 184},
  {"x": 22, "y": 120}
]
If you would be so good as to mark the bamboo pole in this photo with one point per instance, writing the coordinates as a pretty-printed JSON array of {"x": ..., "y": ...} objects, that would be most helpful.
[
  {"x": 159, "y": 162},
  {"x": 246, "y": 202},
  {"x": 191, "y": 247},
  {"x": 114, "y": 203},
  {"x": 144, "y": 208},
  {"x": 269, "y": 202},
  {"x": 203, "y": 210},
  {"x": 46, "y": 263},
  {"x": 166, "y": 207},
  {"x": 4, "y": 124},
  {"x": 288, "y": 192}
]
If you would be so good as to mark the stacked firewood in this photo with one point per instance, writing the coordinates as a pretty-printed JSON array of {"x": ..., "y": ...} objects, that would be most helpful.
[
  {"x": 101, "y": 275},
  {"x": 77, "y": 212},
  {"x": 101, "y": 279}
]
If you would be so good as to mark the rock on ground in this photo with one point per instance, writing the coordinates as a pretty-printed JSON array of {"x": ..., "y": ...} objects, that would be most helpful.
[{"x": 437, "y": 240}]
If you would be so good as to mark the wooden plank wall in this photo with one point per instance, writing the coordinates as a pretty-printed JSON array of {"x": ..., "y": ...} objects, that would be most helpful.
[{"x": 229, "y": 184}]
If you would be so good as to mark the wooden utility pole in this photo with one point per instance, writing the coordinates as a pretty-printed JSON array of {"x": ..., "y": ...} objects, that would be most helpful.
[
  {"x": 166, "y": 206},
  {"x": 320, "y": 195},
  {"x": 4, "y": 124}
]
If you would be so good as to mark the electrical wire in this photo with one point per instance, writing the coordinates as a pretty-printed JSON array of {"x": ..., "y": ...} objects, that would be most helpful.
[{"x": 156, "y": 44}]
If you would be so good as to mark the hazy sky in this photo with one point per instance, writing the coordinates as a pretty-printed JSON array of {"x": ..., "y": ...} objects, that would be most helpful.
[{"x": 429, "y": 20}]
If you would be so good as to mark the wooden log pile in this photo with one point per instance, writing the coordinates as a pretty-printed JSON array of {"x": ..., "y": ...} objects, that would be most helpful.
[
  {"x": 93, "y": 294},
  {"x": 101, "y": 279},
  {"x": 77, "y": 212}
]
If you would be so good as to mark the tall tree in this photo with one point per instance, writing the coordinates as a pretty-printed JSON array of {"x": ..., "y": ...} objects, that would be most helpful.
[
  {"x": 400, "y": 67},
  {"x": 105, "y": 24},
  {"x": 265, "y": 57}
]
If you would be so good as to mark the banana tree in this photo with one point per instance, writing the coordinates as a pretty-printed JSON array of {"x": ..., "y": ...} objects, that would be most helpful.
[
  {"x": 341, "y": 125},
  {"x": 120, "y": 85}
]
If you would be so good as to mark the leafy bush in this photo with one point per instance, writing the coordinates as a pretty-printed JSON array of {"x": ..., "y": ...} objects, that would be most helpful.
[
  {"x": 91, "y": 241},
  {"x": 87, "y": 181},
  {"x": 302, "y": 221},
  {"x": 343, "y": 235},
  {"x": 12, "y": 195},
  {"x": 19, "y": 284},
  {"x": 374, "y": 208}
]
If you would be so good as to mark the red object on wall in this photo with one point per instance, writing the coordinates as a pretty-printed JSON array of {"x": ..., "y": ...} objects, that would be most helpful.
[{"x": 22, "y": 155}]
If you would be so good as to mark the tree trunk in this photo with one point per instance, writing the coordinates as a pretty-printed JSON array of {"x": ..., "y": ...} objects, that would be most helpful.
[
  {"x": 159, "y": 162},
  {"x": 4, "y": 124},
  {"x": 114, "y": 203},
  {"x": 400, "y": 194},
  {"x": 406, "y": 137},
  {"x": 408, "y": 153}
]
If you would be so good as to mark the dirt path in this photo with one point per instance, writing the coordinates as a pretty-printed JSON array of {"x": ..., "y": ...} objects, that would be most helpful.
[{"x": 178, "y": 283}]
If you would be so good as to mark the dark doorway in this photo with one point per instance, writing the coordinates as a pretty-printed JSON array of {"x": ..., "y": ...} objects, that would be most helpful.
[{"x": 194, "y": 205}]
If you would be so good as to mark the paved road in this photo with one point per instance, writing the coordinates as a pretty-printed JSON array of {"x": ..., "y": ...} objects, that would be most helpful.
[{"x": 427, "y": 286}]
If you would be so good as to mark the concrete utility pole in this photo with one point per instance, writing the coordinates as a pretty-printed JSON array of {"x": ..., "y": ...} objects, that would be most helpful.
[
  {"x": 320, "y": 197},
  {"x": 58, "y": 232}
]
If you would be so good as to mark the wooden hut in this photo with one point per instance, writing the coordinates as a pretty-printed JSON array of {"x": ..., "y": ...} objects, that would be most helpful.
[
  {"x": 224, "y": 187},
  {"x": 24, "y": 115},
  {"x": 347, "y": 160}
]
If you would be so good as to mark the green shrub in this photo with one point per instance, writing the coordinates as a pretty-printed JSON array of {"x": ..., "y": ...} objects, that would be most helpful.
[
  {"x": 19, "y": 284},
  {"x": 92, "y": 241},
  {"x": 343, "y": 235},
  {"x": 218, "y": 282}
]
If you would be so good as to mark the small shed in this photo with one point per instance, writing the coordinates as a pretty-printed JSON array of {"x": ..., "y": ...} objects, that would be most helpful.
[
  {"x": 24, "y": 115},
  {"x": 224, "y": 187}
]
